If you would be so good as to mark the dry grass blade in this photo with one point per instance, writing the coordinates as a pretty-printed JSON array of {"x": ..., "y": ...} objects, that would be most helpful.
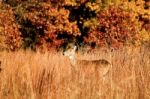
[{"x": 28, "y": 75}]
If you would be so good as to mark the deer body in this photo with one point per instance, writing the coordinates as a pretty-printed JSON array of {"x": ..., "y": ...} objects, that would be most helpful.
[{"x": 100, "y": 64}]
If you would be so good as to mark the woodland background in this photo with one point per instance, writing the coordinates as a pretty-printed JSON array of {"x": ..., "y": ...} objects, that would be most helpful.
[{"x": 52, "y": 24}]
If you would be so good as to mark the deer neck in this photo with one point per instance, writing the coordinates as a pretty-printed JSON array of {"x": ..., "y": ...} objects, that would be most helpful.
[{"x": 73, "y": 59}]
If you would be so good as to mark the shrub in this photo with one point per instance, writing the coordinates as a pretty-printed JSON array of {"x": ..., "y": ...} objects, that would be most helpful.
[
  {"x": 9, "y": 29},
  {"x": 45, "y": 26},
  {"x": 141, "y": 8},
  {"x": 116, "y": 27}
]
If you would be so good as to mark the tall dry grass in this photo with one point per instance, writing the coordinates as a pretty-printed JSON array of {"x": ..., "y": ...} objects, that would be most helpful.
[{"x": 28, "y": 75}]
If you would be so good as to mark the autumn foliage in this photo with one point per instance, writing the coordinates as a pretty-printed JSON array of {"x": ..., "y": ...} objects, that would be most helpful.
[
  {"x": 52, "y": 24},
  {"x": 116, "y": 27},
  {"x": 46, "y": 27},
  {"x": 10, "y": 36}
]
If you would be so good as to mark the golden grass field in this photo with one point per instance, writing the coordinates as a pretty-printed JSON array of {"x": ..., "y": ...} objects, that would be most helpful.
[{"x": 30, "y": 75}]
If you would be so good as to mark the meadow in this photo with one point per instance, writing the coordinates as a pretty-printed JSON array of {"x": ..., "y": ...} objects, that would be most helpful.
[{"x": 34, "y": 75}]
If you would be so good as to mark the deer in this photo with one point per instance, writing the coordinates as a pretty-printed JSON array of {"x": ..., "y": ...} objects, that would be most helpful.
[{"x": 100, "y": 65}]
